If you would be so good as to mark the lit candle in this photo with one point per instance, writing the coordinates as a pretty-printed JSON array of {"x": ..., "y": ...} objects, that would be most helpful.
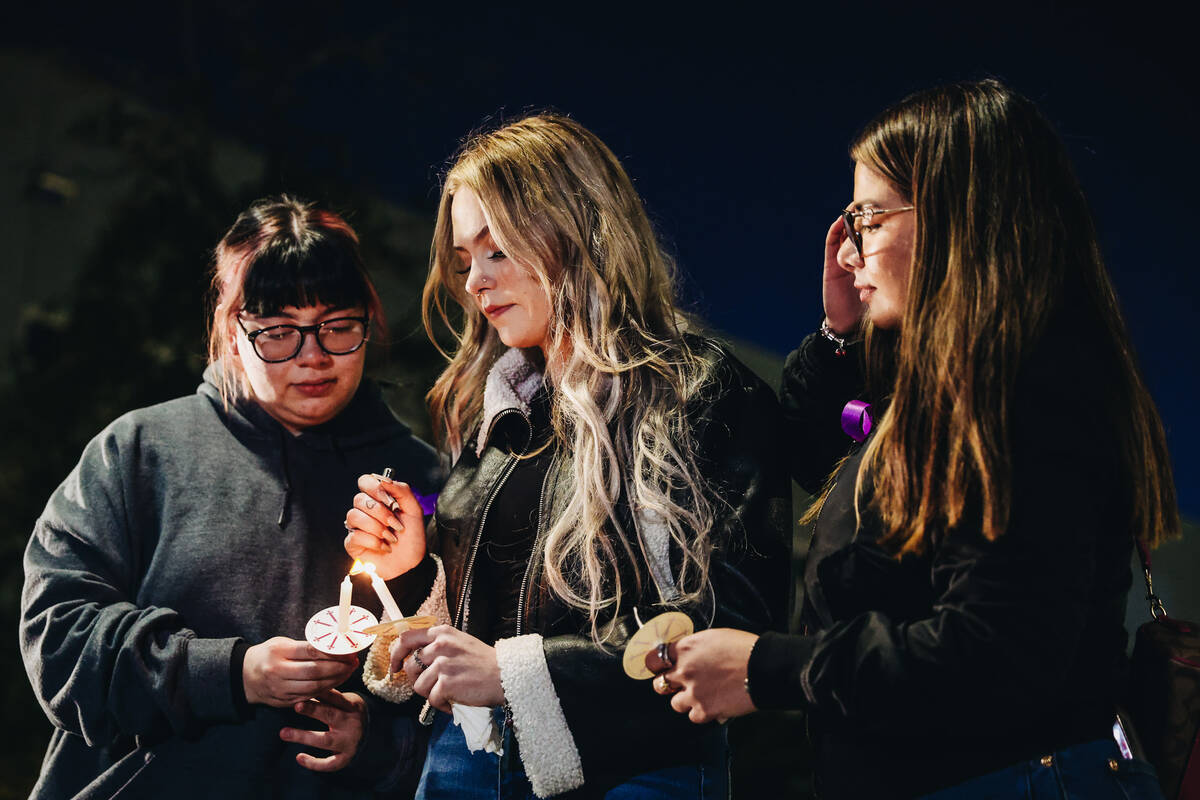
[
  {"x": 381, "y": 589},
  {"x": 344, "y": 605}
]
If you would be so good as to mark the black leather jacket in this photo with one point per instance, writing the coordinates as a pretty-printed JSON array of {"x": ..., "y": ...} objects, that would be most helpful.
[{"x": 620, "y": 726}]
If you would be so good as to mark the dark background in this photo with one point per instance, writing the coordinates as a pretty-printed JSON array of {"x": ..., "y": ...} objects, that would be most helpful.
[{"x": 133, "y": 135}]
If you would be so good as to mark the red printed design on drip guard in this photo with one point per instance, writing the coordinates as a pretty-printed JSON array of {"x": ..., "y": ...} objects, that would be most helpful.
[{"x": 322, "y": 631}]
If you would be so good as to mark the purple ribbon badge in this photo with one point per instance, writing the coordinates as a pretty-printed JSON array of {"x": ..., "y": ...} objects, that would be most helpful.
[
  {"x": 856, "y": 420},
  {"x": 428, "y": 502}
]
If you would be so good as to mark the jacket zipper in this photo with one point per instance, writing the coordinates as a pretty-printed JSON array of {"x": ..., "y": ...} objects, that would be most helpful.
[
  {"x": 537, "y": 540},
  {"x": 463, "y": 605}
]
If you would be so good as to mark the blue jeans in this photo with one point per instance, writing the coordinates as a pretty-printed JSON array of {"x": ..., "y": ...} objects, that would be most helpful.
[
  {"x": 453, "y": 771},
  {"x": 1078, "y": 772}
]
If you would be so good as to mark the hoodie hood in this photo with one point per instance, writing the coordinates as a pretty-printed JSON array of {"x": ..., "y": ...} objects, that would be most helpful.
[
  {"x": 366, "y": 419},
  {"x": 365, "y": 423}
]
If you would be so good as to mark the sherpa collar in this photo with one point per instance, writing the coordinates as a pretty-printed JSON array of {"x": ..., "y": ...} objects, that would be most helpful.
[{"x": 511, "y": 384}]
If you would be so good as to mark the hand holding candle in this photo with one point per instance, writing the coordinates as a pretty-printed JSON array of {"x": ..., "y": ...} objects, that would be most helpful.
[
  {"x": 705, "y": 674},
  {"x": 386, "y": 526},
  {"x": 282, "y": 671},
  {"x": 454, "y": 667}
]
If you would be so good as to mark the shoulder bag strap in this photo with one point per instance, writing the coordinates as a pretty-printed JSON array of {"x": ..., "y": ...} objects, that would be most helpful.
[{"x": 1157, "y": 610}]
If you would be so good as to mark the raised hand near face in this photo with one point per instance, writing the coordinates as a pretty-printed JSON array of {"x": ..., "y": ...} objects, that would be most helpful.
[{"x": 843, "y": 308}]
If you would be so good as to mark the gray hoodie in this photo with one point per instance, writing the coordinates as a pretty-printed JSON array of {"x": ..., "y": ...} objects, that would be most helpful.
[{"x": 185, "y": 533}]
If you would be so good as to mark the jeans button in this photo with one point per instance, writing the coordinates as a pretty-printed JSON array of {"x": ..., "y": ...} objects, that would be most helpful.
[
  {"x": 1113, "y": 765},
  {"x": 1047, "y": 761}
]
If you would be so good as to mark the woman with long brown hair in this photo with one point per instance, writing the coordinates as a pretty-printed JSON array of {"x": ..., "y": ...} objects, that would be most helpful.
[
  {"x": 608, "y": 464},
  {"x": 965, "y": 587}
]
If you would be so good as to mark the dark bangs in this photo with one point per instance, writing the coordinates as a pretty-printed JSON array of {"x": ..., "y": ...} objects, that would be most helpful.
[{"x": 326, "y": 272}]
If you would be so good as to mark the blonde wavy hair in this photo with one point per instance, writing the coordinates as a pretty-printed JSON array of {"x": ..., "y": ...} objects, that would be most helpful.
[{"x": 559, "y": 203}]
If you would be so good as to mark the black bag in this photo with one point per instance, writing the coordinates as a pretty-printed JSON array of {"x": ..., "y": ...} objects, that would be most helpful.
[{"x": 1164, "y": 695}]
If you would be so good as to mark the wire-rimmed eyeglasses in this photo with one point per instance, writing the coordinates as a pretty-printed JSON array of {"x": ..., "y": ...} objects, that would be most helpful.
[{"x": 850, "y": 221}]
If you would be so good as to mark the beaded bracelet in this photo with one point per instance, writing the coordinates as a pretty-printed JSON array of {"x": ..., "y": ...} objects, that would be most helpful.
[{"x": 840, "y": 342}]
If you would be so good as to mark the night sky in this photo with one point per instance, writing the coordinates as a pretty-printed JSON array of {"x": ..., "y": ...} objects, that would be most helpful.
[{"x": 734, "y": 125}]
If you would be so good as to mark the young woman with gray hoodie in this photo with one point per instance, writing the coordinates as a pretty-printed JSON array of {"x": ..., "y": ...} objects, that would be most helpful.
[{"x": 170, "y": 573}]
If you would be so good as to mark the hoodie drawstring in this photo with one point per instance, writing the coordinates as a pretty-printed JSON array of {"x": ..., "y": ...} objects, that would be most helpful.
[{"x": 287, "y": 480}]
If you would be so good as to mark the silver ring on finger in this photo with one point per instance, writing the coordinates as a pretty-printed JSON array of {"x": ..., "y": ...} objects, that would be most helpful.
[
  {"x": 664, "y": 655},
  {"x": 416, "y": 657},
  {"x": 664, "y": 686}
]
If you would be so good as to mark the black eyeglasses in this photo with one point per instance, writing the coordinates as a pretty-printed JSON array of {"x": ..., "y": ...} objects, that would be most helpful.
[
  {"x": 337, "y": 337},
  {"x": 854, "y": 229}
]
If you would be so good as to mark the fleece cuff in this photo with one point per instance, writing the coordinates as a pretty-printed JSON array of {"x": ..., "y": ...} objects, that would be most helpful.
[
  {"x": 547, "y": 747},
  {"x": 377, "y": 674}
]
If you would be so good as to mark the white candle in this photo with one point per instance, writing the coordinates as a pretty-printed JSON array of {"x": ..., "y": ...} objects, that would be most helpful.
[
  {"x": 344, "y": 605},
  {"x": 385, "y": 597}
]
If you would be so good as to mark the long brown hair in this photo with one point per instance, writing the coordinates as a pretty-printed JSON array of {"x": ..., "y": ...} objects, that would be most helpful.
[
  {"x": 559, "y": 203},
  {"x": 1001, "y": 227}
]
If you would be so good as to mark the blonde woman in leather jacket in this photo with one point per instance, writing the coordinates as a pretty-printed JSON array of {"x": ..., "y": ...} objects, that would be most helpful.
[{"x": 608, "y": 466}]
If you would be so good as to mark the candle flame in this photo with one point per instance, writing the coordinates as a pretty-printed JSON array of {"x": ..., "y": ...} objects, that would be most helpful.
[{"x": 357, "y": 567}]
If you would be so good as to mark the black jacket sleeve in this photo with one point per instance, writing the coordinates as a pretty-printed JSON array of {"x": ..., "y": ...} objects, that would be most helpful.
[{"x": 816, "y": 385}]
